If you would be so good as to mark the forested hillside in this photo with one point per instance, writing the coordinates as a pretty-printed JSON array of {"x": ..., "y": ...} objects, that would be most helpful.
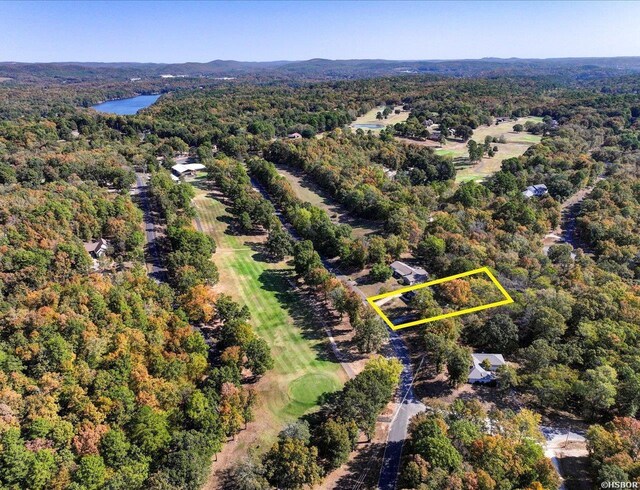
[{"x": 105, "y": 380}]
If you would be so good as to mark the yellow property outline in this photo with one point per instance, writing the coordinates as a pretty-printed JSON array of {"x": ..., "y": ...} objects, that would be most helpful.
[{"x": 372, "y": 299}]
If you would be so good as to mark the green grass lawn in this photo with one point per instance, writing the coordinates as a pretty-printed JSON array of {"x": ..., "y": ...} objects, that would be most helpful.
[
  {"x": 302, "y": 372},
  {"x": 516, "y": 144},
  {"x": 452, "y": 153},
  {"x": 370, "y": 117}
]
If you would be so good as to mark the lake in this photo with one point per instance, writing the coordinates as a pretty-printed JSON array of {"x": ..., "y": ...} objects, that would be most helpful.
[{"x": 126, "y": 106}]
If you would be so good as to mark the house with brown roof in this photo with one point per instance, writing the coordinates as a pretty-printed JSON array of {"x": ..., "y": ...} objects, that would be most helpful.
[{"x": 97, "y": 249}]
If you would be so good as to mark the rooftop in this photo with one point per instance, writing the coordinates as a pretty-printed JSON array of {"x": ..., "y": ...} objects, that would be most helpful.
[
  {"x": 535, "y": 190},
  {"x": 402, "y": 268},
  {"x": 181, "y": 168}
]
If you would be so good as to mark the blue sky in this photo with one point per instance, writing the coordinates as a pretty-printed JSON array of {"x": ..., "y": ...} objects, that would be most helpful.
[{"x": 261, "y": 31}]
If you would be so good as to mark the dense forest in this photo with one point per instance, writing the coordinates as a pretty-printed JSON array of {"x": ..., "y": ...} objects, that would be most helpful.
[
  {"x": 110, "y": 379},
  {"x": 462, "y": 446}
]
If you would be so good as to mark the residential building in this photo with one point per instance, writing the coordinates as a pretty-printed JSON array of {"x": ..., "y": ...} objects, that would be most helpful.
[
  {"x": 537, "y": 190},
  {"x": 407, "y": 274},
  {"x": 97, "y": 249},
  {"x": 484, "y": 367}
]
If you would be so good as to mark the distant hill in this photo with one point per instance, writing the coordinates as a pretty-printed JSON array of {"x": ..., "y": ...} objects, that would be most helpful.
[{"x": 320, "y": 68}]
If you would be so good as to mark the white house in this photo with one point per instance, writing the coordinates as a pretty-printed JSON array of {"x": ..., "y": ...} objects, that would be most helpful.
[
  {"x": 180, "y": 169},
  {"x": 480, "y": 373},
  {"x": 537, "y": 190},
  {"x": 407, "y": 274},
  {"x": 294, "y": 136}
]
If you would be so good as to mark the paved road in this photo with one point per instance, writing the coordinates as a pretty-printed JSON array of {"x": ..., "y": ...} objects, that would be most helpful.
[
  {"x": 408, "y": 404},
  {"x": 152, "y": 253}
]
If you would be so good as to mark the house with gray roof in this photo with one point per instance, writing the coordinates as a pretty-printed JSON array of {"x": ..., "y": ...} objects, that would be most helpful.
[
  {"x": 484, "y": 367},
  {"x": 97, "y": 249},
  {"x": 407, "y": 274},
  {"x": 537, "y": 190}
]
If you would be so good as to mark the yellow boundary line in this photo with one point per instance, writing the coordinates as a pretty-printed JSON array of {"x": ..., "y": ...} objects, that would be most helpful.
[{"x": 507, "y": 299}]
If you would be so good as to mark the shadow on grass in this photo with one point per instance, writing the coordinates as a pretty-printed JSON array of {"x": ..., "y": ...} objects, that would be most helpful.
[
  {"x": 301, "y": 305},
  {"x": 278, "y": 281},
  {"x": 260, "y": 255}
]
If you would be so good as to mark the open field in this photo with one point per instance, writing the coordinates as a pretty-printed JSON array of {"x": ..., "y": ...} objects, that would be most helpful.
[
  {"x": 309, "y": 192},
  {"x": 303, "y": 369},
  {"x": 516, "y": 144},
  {"x": 370, "y": 119}
]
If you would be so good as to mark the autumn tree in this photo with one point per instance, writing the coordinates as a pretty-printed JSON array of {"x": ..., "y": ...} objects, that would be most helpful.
[{"x": 291, "y": 464}]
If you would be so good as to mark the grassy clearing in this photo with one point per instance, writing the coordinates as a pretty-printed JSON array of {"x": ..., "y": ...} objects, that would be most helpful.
[
  {"x": 303, "y": 368},
  {"x": 516, "y": 144},
  {"x": 370, "y": 118},
  {"x": 309, "y": 192}
]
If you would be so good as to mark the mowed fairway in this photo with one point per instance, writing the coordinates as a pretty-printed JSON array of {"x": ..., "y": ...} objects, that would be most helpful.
[
  {"x": 303, "y": 368},
  {"x": 516, "y": 144}
]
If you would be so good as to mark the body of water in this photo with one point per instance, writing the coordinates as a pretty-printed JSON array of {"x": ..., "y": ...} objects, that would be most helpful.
[
  {"x": 126, "y": 106},
  {"x": 368, "y": 126}
]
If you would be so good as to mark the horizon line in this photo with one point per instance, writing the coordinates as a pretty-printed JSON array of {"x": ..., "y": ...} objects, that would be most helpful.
[{"x": 432, "y": 60}]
